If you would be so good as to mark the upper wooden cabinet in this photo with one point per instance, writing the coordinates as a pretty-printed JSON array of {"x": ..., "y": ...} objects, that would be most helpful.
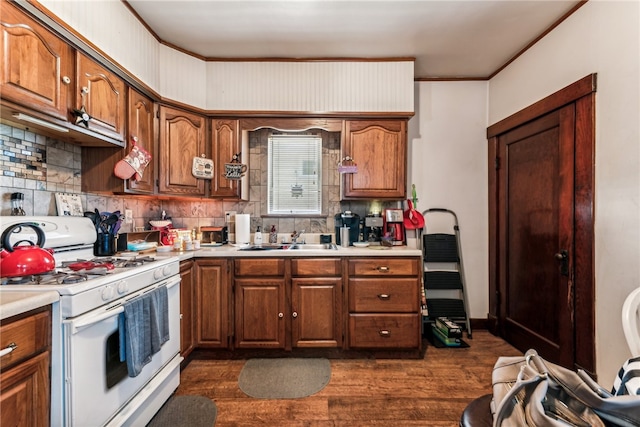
[
  {"x": 225, "y": 135},
  {"x": 379, "y": 148},
  {"x": 140, "y": 125},
  {"x": 37, "y": 67},
  {"x": 182, "y": 137},
  {"x": 103, "y": 95}
]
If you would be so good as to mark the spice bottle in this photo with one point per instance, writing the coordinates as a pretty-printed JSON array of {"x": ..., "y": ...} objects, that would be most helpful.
[
  {"x": 17, "y": 208},
  {"x": 273, "y": 235}
]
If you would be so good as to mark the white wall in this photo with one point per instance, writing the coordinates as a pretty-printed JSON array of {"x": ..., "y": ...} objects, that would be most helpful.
[
  {"x": 601, "y": 37},
  {"x": 338, "y": 86},
  {"x": 116, "y": 31},
  {"x": 447, "y": 163}
]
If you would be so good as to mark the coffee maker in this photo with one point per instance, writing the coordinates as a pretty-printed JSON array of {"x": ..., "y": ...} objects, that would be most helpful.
[
  {"x": 372, "y": 230},
  {"x": 351, "y": 220},
  {"x": 394, "y": 226}
]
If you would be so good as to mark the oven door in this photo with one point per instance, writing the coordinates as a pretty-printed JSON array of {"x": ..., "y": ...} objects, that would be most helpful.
[{"x": 97, "y": 385}]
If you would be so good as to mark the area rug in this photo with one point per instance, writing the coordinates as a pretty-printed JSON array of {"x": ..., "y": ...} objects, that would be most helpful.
[
  {"x": 284, "y": 378},
  {"x": 186, "y": 411}
]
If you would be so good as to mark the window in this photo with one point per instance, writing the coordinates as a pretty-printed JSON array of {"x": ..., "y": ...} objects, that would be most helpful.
[{"x": 295, "y": 182}]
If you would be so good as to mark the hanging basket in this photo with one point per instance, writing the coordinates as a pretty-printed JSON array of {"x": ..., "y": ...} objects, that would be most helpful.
[{"x": 347, "y": 165}]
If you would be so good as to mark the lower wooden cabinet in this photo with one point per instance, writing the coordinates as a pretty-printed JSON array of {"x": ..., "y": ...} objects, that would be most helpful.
[
  {"x": 288, "y": 303},
  {"x": 384, "y": 309},
  {"x": 187, "y": 340},
  {"x": 25, "y": 384},
  {"x": 260, "y": 296},
  {"x": 212, "y": 303},
  {"x": 316, "y": 302}
]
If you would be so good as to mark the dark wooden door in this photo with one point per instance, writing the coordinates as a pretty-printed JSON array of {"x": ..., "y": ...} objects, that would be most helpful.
[
  {"x": 541, "y": 283},
  {"x": 536, "y": 184}
]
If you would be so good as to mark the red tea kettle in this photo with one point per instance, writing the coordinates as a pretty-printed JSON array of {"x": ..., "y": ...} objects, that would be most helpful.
[{"x": 24, "y": 260}]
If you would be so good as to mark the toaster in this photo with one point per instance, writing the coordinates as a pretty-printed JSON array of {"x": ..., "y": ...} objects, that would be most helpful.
[{"x": 215, "y": 235}]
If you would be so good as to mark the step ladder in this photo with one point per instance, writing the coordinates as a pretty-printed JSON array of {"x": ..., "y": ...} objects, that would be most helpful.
[{"x": 444, "y": 281}]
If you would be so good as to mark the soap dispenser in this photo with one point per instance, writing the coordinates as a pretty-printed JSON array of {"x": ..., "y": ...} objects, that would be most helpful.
[
  {"x": 273, "y": 235},
  {"x": 257, "y": 237}
]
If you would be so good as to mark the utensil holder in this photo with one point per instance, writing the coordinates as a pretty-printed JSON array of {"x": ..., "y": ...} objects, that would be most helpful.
[{"x": 105, "y": 245}]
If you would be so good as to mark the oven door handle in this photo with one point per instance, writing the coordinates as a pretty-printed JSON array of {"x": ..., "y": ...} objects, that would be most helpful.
[{"x": 77, "y": 325}]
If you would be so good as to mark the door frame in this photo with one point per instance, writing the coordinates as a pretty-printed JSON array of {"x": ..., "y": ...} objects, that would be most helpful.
[{"x": 582, "y": 94}]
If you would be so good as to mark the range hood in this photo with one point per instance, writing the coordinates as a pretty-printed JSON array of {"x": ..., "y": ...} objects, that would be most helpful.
[{"x": 42, "y": 124}]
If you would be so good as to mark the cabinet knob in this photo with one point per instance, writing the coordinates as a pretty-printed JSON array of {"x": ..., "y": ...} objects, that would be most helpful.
[
  {"x": 281, "y": 315},
  {"x": 383, "y": 269},
  {"x": 384, "y": 296},
  {"x": 8, "y": 349},
  {"x": 66, "y": 80},
  {"x": 384, "y": 333},
  {"x": 85, "y": 90},
  {"x": 294, "y": 314}
]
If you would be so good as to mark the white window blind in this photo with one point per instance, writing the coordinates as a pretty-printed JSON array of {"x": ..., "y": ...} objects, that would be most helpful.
[{"x": 295, "y": 182}]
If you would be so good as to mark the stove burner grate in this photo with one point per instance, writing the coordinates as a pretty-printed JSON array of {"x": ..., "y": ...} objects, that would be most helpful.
[{"x": 46, "y": 279}]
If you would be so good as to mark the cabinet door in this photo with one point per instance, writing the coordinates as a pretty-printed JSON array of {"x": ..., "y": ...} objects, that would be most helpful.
[
  {"x": 226, "y": 143},
  {"x": 379, "y": 148},
  {"x": 140, "y": 126},
  {"x": 212, "y": 301},
  {"x": 260, "y": 313},
  {"x": 186, "y": 308},
  {"x": 315, "y": 312},
  {"x": 182, "y": 137},
  {"x": 24, "y": 393},
  {"x": 103, "y": 95},
  {"x": 37, "y": 66}
]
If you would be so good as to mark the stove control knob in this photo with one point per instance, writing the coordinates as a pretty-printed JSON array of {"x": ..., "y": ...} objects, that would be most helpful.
[
  {"x": 157, "y": 274},
  {"x": 123, "y": 287},
  {"x": 107, "y": 293},
  {"x": 166, "y": 270}
]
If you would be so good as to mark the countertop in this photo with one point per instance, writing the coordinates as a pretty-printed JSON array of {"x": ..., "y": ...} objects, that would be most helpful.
[
  {"x": 229, "y": 251},
  {"x": 18, "y": 302}
]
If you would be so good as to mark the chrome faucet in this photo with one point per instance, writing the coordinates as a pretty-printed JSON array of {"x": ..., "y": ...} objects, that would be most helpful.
[{"x": 295, "y": 236}]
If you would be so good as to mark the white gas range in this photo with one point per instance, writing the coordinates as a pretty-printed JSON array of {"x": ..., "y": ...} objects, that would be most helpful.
[{"x": 89, "y": 380}]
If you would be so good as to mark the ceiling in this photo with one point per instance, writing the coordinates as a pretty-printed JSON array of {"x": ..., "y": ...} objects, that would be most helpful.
[{"x": 448, "y": 39}]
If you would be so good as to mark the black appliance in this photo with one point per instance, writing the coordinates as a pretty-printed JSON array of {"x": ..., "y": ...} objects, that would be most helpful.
[
  {"x": 350, "y": 220},
  {"x": 372, "y": 229}
]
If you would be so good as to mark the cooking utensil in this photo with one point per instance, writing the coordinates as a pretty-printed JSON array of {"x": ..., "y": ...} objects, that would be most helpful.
[
  {"x": 20, "y": 260},
  {"x": 90, "y": 265},
  {"x": 412, "y": 219}
]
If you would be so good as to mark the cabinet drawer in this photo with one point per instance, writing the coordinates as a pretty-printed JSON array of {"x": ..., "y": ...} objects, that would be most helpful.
[
  {"x": 384, "y": 330},
  {"x": 384, "y": 267},
  {"x": 259, "y": 267},
  {"x": 319, "y": 267},
  {"x": 383, "y": 295},
  {"x": 30, "y": 334}
]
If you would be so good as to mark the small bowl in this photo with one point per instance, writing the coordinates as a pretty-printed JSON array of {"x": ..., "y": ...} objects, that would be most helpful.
[
  {"x": 163, "y": 249},
  {"x": 160, "y": 223},
  {"x": 360, "y": 244}
]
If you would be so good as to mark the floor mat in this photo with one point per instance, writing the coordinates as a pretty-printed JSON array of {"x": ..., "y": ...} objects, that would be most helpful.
[
  {"x": 284, "y": 378},
  {"x": 186, "y": 411}
]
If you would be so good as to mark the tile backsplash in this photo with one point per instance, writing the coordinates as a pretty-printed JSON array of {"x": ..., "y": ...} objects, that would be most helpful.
[{"x": 39, "y": 166}]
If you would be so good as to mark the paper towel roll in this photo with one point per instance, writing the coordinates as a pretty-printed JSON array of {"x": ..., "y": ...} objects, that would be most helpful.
[{"x": 242, "y": 228}]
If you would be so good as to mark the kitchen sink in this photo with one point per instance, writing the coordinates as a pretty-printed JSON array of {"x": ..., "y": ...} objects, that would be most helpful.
[
  {"x": 313, "y": 246},
  {"x": 291, "y": 247},
  {"x": 264, "y": 247}
]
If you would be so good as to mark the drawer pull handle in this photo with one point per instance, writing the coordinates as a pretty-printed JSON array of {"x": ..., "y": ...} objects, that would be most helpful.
[
  {"x": 280, "y": 315},
  {"x": 8, "y": 349},
  {"x": 383, "y": 269},
  {"x": 384, "y": 333},
  {"x": 384, "y": 297},
  {"x": 294, "y": 314}
]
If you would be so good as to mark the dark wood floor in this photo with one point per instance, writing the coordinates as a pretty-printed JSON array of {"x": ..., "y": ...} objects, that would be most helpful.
[{"x": 430, "y": 391}]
